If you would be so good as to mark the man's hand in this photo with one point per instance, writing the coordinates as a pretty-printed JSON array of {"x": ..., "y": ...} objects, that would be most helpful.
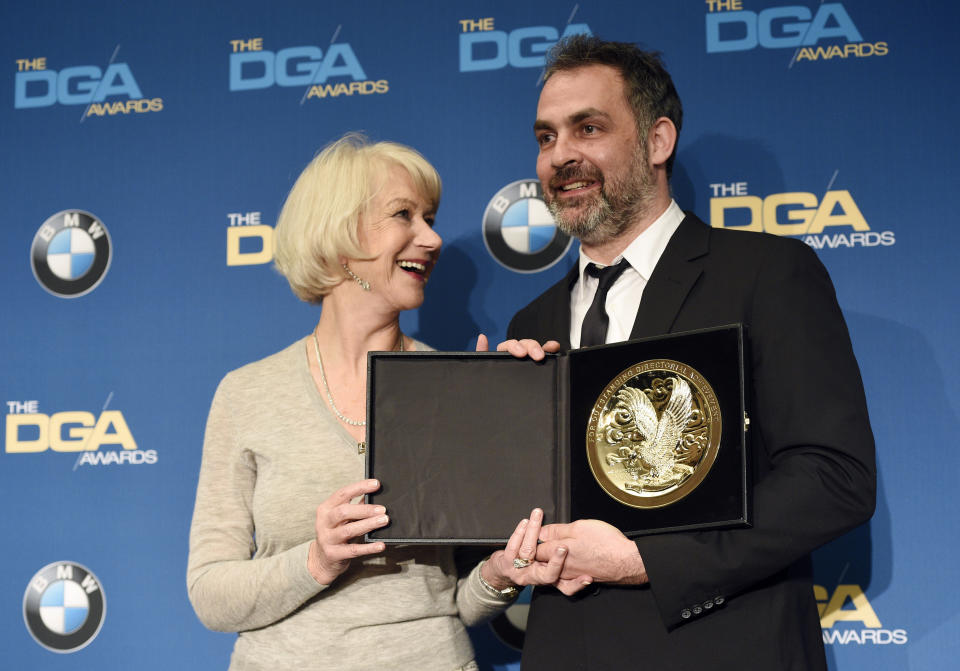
[
  {"x": 521, "y": 348},
  {"x": 500, "y": 570},
  {"x": 596, "y": 549}
]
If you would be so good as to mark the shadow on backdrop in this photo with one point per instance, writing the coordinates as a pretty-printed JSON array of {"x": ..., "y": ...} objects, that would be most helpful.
[
  {"x": 722, "y": 159},
  {"x": 900, "y": 398},
  {"x": 446, "y": 319}
]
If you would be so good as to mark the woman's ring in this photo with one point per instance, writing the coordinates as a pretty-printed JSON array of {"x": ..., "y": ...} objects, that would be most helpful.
[{"x": 521, "y": 563}]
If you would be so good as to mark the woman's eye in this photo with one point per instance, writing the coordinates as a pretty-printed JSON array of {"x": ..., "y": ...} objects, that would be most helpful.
[{"x": 405, "y": 214}]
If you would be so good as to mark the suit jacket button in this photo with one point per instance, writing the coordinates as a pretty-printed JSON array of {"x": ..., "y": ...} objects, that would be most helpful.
[
  {"x": 708, "y": 604},
  {"x": 685, "y": 613},
  {"x": 718, "y": 600},
  {"x": 697, "y": 609}
]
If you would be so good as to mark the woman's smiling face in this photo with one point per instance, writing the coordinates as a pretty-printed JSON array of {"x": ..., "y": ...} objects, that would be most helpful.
[{"x": 396, "y": 230}]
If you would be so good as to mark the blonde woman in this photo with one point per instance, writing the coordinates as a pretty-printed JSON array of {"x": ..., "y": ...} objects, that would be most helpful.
[{"x": 273, "y": 544}]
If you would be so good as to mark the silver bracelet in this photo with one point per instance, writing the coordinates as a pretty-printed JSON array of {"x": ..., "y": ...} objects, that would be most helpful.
[{"x": 508, "y": 593}]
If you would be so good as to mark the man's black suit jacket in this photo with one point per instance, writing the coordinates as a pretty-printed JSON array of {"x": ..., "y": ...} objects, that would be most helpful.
[{"x": 742, "y": 598}]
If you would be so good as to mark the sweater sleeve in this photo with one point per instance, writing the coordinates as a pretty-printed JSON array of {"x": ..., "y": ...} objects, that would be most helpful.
[
  {"x": 474, "y": 603},
  {"x": 229, "y": 589}
]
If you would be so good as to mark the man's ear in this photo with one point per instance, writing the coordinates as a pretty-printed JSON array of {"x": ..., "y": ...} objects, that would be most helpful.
[{"x": 661, "y": 140}]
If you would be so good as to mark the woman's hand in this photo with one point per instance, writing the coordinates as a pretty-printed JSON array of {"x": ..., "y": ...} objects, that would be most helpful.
[
  {"x": 338, "y": 523},
  {"x": 501, "y": 571}
]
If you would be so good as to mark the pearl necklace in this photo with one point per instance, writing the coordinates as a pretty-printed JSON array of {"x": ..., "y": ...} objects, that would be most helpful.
[{"x": 323, "y": 378}]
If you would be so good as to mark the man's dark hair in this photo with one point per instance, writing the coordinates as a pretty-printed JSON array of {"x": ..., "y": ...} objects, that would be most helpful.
[{"x": 648, "y": 86}]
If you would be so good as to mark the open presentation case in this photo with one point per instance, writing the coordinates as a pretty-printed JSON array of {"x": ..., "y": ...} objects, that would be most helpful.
[{"x": 466, "y": 444}]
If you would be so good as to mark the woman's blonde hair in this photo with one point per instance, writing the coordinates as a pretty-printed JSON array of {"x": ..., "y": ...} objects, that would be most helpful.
[{"x": 320, "y": 219}]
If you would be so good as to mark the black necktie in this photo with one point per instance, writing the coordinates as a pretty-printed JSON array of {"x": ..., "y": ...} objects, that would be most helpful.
[{"x": 594, "y": 329}]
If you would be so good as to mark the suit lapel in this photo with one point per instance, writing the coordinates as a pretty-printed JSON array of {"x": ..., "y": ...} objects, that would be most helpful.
[
  {"x": 557, "y": 318},
  {"x": 673, "y": 277}
]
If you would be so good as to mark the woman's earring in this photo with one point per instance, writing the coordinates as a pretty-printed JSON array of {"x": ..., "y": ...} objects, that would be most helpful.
[{"x": 362, "y": 282}]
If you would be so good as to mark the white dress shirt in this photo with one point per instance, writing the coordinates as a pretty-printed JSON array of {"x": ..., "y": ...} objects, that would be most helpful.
[{"x": 623, "y": 300}]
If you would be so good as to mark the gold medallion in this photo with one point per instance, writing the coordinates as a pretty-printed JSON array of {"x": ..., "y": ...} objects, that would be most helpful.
[{"x": 653, "y": 433}]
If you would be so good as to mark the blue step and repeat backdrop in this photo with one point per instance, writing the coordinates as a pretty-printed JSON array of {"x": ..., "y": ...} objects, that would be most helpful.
[{"x": 148, "y": 146}]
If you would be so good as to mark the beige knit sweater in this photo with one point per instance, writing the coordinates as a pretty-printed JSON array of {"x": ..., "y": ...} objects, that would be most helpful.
[{"x": 272, "y": 452}]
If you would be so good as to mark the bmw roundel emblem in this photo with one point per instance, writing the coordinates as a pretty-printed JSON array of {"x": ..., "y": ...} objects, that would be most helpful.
[
  {"x": 71, "y": 253},
  {"x": 519, "y": 231},
  {"x": 64, "y": 607}
]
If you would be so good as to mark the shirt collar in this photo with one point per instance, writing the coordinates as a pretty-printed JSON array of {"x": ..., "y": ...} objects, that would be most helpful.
[{"x": 645, "y": 249}]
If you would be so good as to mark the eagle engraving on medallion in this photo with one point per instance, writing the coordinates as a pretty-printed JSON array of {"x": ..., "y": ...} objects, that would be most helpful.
[
  {"x": 655, "y": 450},
  {"x": 653, "y": 434}
]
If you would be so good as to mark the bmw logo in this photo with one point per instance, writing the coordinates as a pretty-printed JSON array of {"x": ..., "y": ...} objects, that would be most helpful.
[
  {"x": 70, "y": 254},
  {"x": 519, "y": 231},
  {"x": 64, "y": 607}
]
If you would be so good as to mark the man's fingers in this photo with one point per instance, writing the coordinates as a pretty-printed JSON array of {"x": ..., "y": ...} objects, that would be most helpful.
[
  {"x": 522, "y": 348},
  {"x": 551, "y": 346},
  {"x": 571, "y": 587},
  {"x": 550, "y": 572},
  {"x": 533, "y": 349},
  {"x": 552, "y": 532},
  {"x": 512, "y": 346},
  {"x": 547, "y": 549},
  {"x": 483, "y": 345}
]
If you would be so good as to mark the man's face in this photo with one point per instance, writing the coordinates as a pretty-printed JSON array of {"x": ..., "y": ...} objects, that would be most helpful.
[{"x": 592, "y": 164}]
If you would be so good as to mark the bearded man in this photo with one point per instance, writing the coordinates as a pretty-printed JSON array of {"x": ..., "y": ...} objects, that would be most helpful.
[{"x": 607, "y": 125}]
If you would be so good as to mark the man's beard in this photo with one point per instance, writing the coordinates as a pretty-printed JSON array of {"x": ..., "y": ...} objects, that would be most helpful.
[{"x": 608, "y": 214}]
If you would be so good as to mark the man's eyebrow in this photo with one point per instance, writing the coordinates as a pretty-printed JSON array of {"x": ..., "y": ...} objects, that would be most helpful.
[
  {"x": 584, "y": 114},
  {"x": 574, "y": 118}
]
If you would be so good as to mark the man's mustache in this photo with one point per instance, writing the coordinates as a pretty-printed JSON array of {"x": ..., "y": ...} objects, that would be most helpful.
[{"x": 574, "y": 172}]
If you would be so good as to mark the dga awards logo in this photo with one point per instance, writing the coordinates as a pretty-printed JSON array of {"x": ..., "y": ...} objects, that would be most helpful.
[
  {"x": 848, "y": 618},
  {"x": 105, "y": 92},
  {"x": 30, "y": 431},
  {"x": 71, "y": 253},
  {"x": 483, "y": 47},
  {"x": 823, "y": 33},
  {"x": 331, "y": 74},
  {"x": 519, "y": 231},
  {"x": 834, "y": 221},
  {"x": 64, "y": 607}
]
